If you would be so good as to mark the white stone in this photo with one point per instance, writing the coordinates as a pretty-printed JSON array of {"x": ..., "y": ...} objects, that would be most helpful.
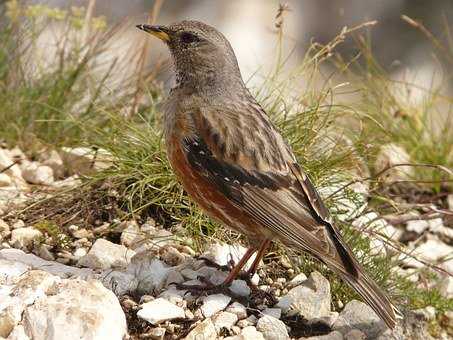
[
  {"x": 335, "y": 335},
  {"x": 240, "y": 287},
  {"x": 450, "y": 202},
  {"x": 224, "y": 320},
  {"x": 35, "y": 173},
  {"x": 35, "y": 262},
  {"x": 223, "y": 254},
  {"x": 274, "y": 312},
  {"x": 105, "y": 254},
  {"x": 311, "y": 299},
  {"x": 84, "y": 161},
  {"x": 446, "y": 286},
  {"x": 297, "y": 280},
  {"x": 250, "y": 333},
  {"x": 355, "y": 334},
  {"x": 131, "y": 235},
  {"x": 214, "y": 303},
  {"x": 417, "y": 226},
  {"x": 203, "y": 331},
  {"x": 238, "y": 309},
  {"x": 435, "y": 225},
  {"x": 48, "y": 307},
  {"x": 5, "y": 180},
  {"x": 391, "y": 155},
  {"x": 149, "y": 272},
  {"x": 5, "y": 162},
  {"x": 160, "y": 310},
  {"x": 54, "y": 161},
  {"x": 76, "y": 310},
  {"x": 23, "y": 238},
  {"x": 272, "y": 328},
  {"x": 358, "y": 315}
]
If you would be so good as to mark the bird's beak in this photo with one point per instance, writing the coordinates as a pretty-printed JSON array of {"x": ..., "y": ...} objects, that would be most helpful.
[{"x": 160, "y": 32}]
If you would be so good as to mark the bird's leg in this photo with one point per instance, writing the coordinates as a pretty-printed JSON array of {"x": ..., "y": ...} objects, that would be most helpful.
[
  {"x": 207, "y": 286},
  {"x": 261, "y": 251},
  {"x": 237, "y": 269}
]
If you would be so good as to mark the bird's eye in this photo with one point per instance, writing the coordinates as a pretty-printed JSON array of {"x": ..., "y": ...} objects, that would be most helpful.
[{"x": 187, "y": 38}]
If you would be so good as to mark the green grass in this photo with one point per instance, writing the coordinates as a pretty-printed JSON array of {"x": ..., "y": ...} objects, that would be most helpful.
[{"x": 55, "y": 107}]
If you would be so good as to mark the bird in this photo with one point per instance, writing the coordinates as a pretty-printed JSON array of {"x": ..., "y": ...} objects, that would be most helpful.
[{"x": 233, "y": 162}]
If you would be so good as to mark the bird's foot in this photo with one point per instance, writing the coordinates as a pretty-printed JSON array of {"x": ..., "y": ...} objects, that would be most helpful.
[{"x": 205, "y": 288}]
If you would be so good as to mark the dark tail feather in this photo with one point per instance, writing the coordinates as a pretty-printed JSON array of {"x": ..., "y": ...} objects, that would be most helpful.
[{"x": 374, "y": 296}]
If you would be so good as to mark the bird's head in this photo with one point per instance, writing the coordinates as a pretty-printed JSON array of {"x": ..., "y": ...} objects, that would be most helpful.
[{"x": 202, "y": 55}]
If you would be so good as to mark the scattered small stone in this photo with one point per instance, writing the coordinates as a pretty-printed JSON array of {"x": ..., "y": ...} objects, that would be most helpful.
[
  {"x": 35, "y": 173},
  {"x": 174, "y": 276},
  {"x": 54, "y": 161},
  {"x": 238, "y": 309},
  {"x": 391, "y": 155},
  {"x": 203, "y": 331},
  {"x": 23, "y": 238},
  {"x": 355, "y": 334},
  {"x": 249, "y": 321},
  {"x": 157, "y": 333},
  {"x": 418, "y": 226},
  {"x": 131, "y": 235},
  {"x": 171, "y": 256},
  {"x": 297, "y": 280},
  {"x": 160, "y": 310},
  {"x": 224, "y": 320},
  {"x": 274, "y": 312},
  {"x": 250, "y": 333},
  {"x": 272, "y": 328},
  {"x": 214, "y": 303},
  {"x": 146, "y": 298},
  {"x": 311, "y": 299},
  {"x": 44, "y": 252},
  {"x": 335, "y": 335},
  {"x": 358, "y": 315},
  {"x": 105, "y": 254},
  {"x": 82, "y": 233},
  {"x": 79, "y": 253},
  {"x": 240, "y": 287},
  {"x": 18, "y": 224},
  {"x": 223, "y": 254},
  {"x": 5, "y": 180}
]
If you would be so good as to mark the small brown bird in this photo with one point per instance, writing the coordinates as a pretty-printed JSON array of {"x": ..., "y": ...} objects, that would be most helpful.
[{"x": 235, "y": 164}]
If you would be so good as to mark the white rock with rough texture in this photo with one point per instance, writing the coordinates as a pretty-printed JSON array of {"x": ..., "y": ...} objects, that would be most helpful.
[
  {"x": 23, "y": 238},
  {"x": 105, "y": 254},
  {"x": 417, "y": 226},
  {"x": 272, "y": 328},
  {"x": 274, "y": 312},
  {"x": 5, "y": 180},
  {"x": 54, "y": 161},
  {"x": 160, "y": 310},
  {"x": 358, "y": 315},
  {"x": 10, "y": 271},
  {"x": 84, "y": 161},
  {"x": 7, "y": 162},
  {"x": 335, "y": 335},
  {"x": 203, "y": 331},
  {"x": 131, "y": 235},
  {"x": 53, "y": 308},
  {"x": 434, "y": 250},
  {"x": 223, "y": 254},
  {"x": 238, "y": 309},
  {"x": 355, "y": 334},
  {"x": 224, "y": 320},
  {"x": 36, "y": 173},
  {"x": 240, "y": 287},
  {"x": 250, "y": 333},
  {"x": 214, "y": 303},
  {"x": 311, "y": 299},
  {"x": 391, "y": 155}
]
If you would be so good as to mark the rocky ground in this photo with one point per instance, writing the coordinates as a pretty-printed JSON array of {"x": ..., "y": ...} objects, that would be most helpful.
[{"x": 120, "y": 280}]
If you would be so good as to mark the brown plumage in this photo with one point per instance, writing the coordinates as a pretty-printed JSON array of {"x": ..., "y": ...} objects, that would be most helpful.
[{"x": 234, "y": 163}]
